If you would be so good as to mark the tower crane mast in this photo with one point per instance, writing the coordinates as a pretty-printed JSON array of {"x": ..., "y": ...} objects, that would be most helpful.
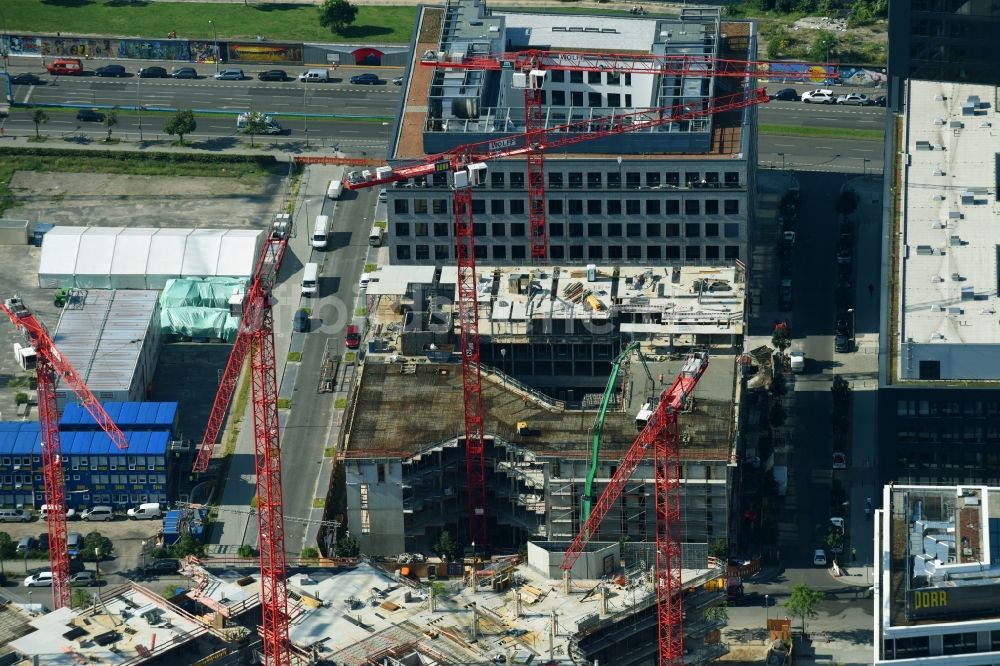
[
  {"x": 51, "y": 365},
  {"x": 255, "y": 339},
  {"x": 661, "y": 438}
]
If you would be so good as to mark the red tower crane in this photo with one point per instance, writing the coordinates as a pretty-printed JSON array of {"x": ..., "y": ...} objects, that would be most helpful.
[
  {"x": 660, "y": 437},
  {"x": 468, "y": 168},
  {"x": 530, "y": 68},
  {"x": 256, "y": 339},
  {"x": 50, "y": 366}
]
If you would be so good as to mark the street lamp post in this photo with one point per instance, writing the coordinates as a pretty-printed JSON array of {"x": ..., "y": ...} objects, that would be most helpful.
[
  {"x": 782, "y": 156},
  {"x": 864, "y": 166},
  {"x": 138, "y": 104},
  {"x": 97, "y": 576},
  {"x": 767, "y": 611},
  {"x": 850, "y": 311},
  {"x": 306, "y": 203},
  {"x": 143, "y": 552},
  {"x": 503, "y": 357},
  {"x": 474, "y": 567},
  {"x": 216, "y": 33}
]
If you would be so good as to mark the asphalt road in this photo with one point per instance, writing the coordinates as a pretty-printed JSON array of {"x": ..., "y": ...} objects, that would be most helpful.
[{"x": 342, "y": 98}]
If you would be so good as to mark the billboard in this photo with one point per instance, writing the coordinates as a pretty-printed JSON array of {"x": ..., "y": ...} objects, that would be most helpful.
[
  {"x": 951, "y": 602},
  {"x": 250, "y": 52}
]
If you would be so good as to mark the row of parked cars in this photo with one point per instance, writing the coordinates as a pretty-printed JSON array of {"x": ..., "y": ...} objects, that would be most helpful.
[
  {"x": 74, "y": 67},
  {"x": 81, "y": 577},
  {"x": 827, "y": 96},
  {"x": 145, "y": 511}
]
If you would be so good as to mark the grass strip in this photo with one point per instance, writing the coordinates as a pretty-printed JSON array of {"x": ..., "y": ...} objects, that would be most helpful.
[
  {"x": 295, "y": 23},
  {"x": 826, "y": 132}
]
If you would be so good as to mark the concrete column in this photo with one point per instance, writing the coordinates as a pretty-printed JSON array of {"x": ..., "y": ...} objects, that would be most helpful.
[
  {"x": 566, "y": 582},
  {"x": 475, "y": 622},
  {"x": 431, "y": 598},
  {"x": 604, "y": 600},
  {"x": 517, "y": 604},
  {"x": 552, "y": 637}
]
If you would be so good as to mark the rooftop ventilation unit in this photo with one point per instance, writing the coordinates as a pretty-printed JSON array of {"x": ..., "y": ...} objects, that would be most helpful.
[
  {"x": 939, "y": 97},
  {"x": 968, "y": 109},
  {"x": 924, "y": 250},
  {"x": 939, "y": 121},
  {"x": 954, "y": 215},
  {"x": 956, "y": 277},
  {"x": 939, "y": 197},
  {"x": 955, "y": 311},
  {"x": 924, "y": 145},
  {"x": 955, "y": 241},
  {"x": 937, "y": 307},
  {"x": 956, "y": 124},
  {"x": 968, "y": 293},
  {"x": 938, "y": 225},
  {"x": 938, "y": 172},
  {"x": 936, "y": 279},
  {"x": 968, "y": 198},
  {"x": 973, "y": 100},
  {"x": 937, "y": 336}
]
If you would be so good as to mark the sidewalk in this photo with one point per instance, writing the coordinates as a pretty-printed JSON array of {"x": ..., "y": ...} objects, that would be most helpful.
[{"x": 161, "y": 143}]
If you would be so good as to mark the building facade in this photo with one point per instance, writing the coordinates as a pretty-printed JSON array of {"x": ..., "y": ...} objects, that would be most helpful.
[
  {"x": 944, "y": 40},
  {"x": 937, "y": 571},
  {"x": 681, "y": 192},
  {"x": 96, "y": 471}
]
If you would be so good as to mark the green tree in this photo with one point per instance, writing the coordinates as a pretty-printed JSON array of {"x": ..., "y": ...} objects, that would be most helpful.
[
  {"x": 834, "y": 539},
  {"x": 347, "y": 546},
  {"x": 187, "y": 545},
  {"x": 110, "y": 120},
  {"x": 780, "y": 338},
  {"x": 447, "y": 547},
  {"x": 777, "y": 43},
  {"x": 95, "y": 541},
  {"x": 80, "y": 598},
  {"x": 256, "y": 124},
  {"x": 337, "y": 15},
  {"x": 824, "y": 46},
  {"x": 8, "y": 548},
  {"x": 39, "y": 117},
  {"x": 718, "y": 548},
  {"x": 802, "y": 603},
  {"x": 181, "y": 123},
  {"x": 841, "y": 391},
  {"x": 309, "y": 554}
]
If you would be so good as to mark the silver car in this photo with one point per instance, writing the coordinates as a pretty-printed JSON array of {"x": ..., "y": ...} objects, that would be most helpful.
[{"x": 855, "y": 99}]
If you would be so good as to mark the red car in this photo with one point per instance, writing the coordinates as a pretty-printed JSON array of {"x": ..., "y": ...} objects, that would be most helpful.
[{"x": 353, "y": 337}]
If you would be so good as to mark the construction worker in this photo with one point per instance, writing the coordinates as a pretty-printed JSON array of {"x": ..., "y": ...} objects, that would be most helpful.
[
  {"x": 854, "y": 554},
  {"x": 661, "y": 379}
]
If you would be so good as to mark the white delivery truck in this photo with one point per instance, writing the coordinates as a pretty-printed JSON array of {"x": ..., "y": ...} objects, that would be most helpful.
[
  {"x": 271, "y": 126},
  {"x": 375, "y": 237},
  {"x": 335, "y": 189},
  {"x": 320, "y": 230},
  {"x": 310, "y": 279}
]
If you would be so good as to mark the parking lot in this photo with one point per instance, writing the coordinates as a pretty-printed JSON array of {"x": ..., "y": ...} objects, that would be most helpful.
[{"x": 126, "y": 536}]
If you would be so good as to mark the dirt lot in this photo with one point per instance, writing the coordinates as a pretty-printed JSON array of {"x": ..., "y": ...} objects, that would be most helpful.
[{"x": 114, "y": 200}]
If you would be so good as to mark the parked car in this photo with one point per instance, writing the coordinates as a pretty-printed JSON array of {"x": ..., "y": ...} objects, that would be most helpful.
[
  {"x": 14, "y": 515},
  {"x": 153, "y": 72},
  {"x": 43, "y": 541},
  {"x": 365, "y": 79},
  {"x": 90, "y": 116},
  {"x": 880, "y": 100},
  {"x": 300, "y": 321},
  {"x": 74, "y": 542},
  {"x": 352, "y": 340},
  {"x": 797, "y": 362},
  {"x": 162, "y": 566},
  {"x": 40, "y": 579},
  {"x": 26, "y": 543},
  {"x": 785, "y": 294},
  {"x": 855, "y": 99},
  {"x": 398, "y": 81},
  {"x": 837, "y": 523},
  {"x": 819, "y": 557},
  {"x": 83, "y": 579},
  {"x": 819, "y": 96},
  {"x": 185, "y": 73},
  {"x": 839, "y": 460},
  {"x": 365, "y": 279},
  {"x": 102, "y": 513},
  {"x": 383, "y": 195},
  {"x": 786, "y": 95},
  {"x": 110, "y": 70},
  {"x": 842, "y": 339},
  {"x": 229, "y": 75},
  {"x": 25, "y": 80},
  {"x": 273, "y": 75},
  {"x": 44, "y": 513}
]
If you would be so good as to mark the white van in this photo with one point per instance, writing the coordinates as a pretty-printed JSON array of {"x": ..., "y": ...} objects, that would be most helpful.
[
  {"x": 320, "y": 230},
  {"x": 102, "y": 513},
  {"x": 70, "y": 513},
  {"x": 147, "y": 511},
  {"x": 314, "y": 76},
  {"x": 335, "y": 189},
  {"x": 310, "y": 280},
  {"x": 375, "y": 237}
]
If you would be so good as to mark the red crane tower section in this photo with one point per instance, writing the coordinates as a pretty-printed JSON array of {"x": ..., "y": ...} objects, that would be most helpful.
[
  {"x": 466, "y": 163},
  {"x": 256, "y": 339},
  {"x": 530, "y": 67},
  {"x": 50, "y": 366},
  {"x": 661, "y": 438}
]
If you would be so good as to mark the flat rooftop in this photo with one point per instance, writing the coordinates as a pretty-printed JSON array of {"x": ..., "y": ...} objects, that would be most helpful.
[
  {"x": 516, "y": 301},
  {"x": 392, "y": 396},
  {"x": 945, "y": 555},
  {"x": 367, "y": 612},
  {"x": 593, "y": 33},
  {"x": 949, "y": 237},
  {"x": 130, "y": 626}
]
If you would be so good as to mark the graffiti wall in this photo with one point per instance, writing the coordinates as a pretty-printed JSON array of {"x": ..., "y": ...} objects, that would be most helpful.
[
  {"x": 154, "y": 49},
  {"x": 98, "y": 47},
  {"x": 203, "y": 51},
  {"x": 250, "y": 52},
  {"x": 25, "y": 45},
  {"x": 794, "y": 72}
]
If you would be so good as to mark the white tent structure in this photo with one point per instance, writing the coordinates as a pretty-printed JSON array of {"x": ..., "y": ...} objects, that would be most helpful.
[{"x": 144, "y": 258}]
